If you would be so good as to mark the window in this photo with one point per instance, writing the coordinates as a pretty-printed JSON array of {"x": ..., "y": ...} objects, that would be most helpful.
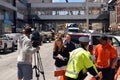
[{"x": 115, "y": 42}]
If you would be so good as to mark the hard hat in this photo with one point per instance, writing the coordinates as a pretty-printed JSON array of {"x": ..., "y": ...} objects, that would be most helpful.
[{"x": 84, "y": 39}]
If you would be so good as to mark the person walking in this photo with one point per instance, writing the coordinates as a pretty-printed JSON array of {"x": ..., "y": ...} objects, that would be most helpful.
[
  {"x": 79, "y": 63},
  {"x": 104, "y": 53},
  {"x": 25, "y": 51},
  {"x": 60, "y": 55},
  {"x": 68, "y": 43}
]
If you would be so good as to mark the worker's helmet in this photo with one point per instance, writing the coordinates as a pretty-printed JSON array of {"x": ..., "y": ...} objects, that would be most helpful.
[{"x": 84, "y": 39}]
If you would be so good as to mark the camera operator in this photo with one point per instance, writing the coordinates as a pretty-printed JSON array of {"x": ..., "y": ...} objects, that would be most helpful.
[
  {"x": 25, "y": 51},
  {"x": 35, "y": 37}
]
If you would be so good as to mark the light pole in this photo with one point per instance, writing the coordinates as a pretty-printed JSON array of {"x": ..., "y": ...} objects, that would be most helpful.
[
  {"x": 87, "y": 16},
  {"x": 14, "y": 17}
]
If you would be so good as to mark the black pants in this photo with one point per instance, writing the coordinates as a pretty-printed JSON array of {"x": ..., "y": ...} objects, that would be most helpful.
[
  {"x": 112, "y": 74},
  {"x": 68, "y": 78},
  {"x": 106, "y": 73}
]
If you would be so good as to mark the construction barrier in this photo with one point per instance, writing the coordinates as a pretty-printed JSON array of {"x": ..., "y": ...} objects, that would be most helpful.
[{"x": 60, "y": 73}]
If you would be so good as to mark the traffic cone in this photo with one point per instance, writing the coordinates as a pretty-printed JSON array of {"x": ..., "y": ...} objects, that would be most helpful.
[
  {"x": 93, "y": 78},
  {"x": 60, "y": 73},
  {"x": 63, "y": 77}
]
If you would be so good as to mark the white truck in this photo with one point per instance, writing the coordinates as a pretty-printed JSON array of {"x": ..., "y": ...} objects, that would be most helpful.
[{"x": 6, "y": 43}]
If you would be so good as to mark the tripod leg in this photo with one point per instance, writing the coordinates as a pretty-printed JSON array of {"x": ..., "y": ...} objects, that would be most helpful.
[
  {"x": 35, "y": 67},
  {"x": 40, "y": 65}
]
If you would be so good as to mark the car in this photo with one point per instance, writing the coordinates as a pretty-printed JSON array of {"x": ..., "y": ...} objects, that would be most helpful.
[
  {"x": 118, "y": 37},
  {"x": 72, "y": 30},
  {"x": 94, "y": 41},
  {"x": 15, "y": 37},
  {"x": 6, "y": 43}
]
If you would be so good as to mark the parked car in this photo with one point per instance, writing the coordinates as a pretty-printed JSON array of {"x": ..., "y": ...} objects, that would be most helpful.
[
  {"x": 6, "y": 43},
  {"x": 72, "y": 30},
  {"x": 118, "y": 37},
  {"x": 15, "y": 37},
  {"x": 94, "y": 41}
]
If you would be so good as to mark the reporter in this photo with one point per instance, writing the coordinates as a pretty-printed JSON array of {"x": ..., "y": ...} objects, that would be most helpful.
[{"x": 60, "y": 54}]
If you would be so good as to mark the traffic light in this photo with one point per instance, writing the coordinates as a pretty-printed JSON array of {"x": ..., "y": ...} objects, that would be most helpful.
[
  {"x": 111, "y": 7},
  {"x": 104, "y": 7}
]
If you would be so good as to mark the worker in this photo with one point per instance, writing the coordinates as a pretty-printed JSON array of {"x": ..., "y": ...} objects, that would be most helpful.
[
  {"x": 105, "y": 54},
  {"x": 80, "y": 62}
]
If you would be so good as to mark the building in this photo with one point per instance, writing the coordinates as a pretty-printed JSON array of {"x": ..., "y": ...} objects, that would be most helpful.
[
  {"x": 41, "y": 1},
  {"x": 7, "y": 9},
  {"x": 114, "y": 15},
  {"x": 98, "y": 0},
  {"x": 118, "y": 11}
]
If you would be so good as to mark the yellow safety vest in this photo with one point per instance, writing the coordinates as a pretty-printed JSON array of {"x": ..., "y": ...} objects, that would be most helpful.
[{"x": 79, "y": 60}]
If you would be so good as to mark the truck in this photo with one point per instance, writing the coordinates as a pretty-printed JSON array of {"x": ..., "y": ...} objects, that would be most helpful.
[
  {"x": 6, "y": 43},
  {"x": 47, "y": 36}
]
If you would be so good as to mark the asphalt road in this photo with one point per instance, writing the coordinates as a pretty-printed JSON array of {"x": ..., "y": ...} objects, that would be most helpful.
[{"x": 8, "y": 69}]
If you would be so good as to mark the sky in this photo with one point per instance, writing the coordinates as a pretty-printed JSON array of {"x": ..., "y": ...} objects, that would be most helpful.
[{"x": 68, "y": 0}]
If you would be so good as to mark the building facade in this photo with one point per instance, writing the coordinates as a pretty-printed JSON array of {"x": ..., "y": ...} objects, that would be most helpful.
[
  {"x": 7, "y": 9},
  {"x": 118, "y": 11},
  {"x": 41, "y": 1},
  {"x": 98, "y": 0}
]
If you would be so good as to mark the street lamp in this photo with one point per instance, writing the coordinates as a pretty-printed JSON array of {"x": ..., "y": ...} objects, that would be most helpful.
[
  {"x": 87, "y": 16},
  {"x": 14, "y": 17}
]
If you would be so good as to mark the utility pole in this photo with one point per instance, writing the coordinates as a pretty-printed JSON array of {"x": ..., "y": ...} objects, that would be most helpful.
[
  {"x": 87, "y": 15},
  {"x": 14, "y": 17}
]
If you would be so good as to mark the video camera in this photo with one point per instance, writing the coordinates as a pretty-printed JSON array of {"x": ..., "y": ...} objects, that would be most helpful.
[
  {"x": 35, "y": 43},
  {"x": 35, "y": 39}
]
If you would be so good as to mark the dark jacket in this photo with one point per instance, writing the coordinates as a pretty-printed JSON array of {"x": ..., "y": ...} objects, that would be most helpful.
[
  {"x": 59, "y": 62},
  {"x": 70, "y": 46},
  {"x": 35, "y": 36}
]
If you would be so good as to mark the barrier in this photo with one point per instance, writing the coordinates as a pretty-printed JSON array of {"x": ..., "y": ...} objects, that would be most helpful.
[{"x": 60, "y": 73}]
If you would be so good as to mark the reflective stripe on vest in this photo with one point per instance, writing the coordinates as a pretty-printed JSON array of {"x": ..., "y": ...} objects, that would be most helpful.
[
  {"x": 71, "y": 72},
  {"x": 72, "y": 64},
  {"x": 74, "y": 55}
]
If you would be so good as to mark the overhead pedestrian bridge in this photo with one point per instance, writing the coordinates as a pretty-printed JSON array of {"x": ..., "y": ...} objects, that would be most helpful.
[{"x": 74, "y": 11}]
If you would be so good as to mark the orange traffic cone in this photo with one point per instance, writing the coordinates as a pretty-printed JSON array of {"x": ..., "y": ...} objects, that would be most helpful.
[
  {"x": 93, "y": 78},
  {"x": 60, "y": 73},
  {"x": 63, "y": 77}
]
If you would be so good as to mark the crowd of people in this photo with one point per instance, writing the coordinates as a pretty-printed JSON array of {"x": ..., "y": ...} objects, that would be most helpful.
[
  {"x": 79, "y": 60},
  {"x": 75, "y": 61}
]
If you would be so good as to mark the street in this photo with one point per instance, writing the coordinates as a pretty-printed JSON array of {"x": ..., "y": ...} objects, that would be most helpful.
[
  {"x": 8, "y": 62},
  {"x": 8, "y": 69}
]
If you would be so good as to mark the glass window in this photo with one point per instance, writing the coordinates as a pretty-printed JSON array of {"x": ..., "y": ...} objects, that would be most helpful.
[
  {"x": 95, "y": 40},
  {"x": 115, "y": 42}
]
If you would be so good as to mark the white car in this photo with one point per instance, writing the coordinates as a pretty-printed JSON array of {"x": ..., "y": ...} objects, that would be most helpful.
[
  {"x": 73, "y": 30},
  {"x": 118, "y": 37},
  {"x": 15, "y": 37},
  {"x": 6, "y": 43}
]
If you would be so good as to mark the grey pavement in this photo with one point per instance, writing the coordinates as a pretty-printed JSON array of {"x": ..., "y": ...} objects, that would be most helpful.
[{"x": 8, "y": 69}]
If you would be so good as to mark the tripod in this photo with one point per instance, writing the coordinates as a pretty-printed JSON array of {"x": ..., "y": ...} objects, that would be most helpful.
[{"x": 38, "y": 66}]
